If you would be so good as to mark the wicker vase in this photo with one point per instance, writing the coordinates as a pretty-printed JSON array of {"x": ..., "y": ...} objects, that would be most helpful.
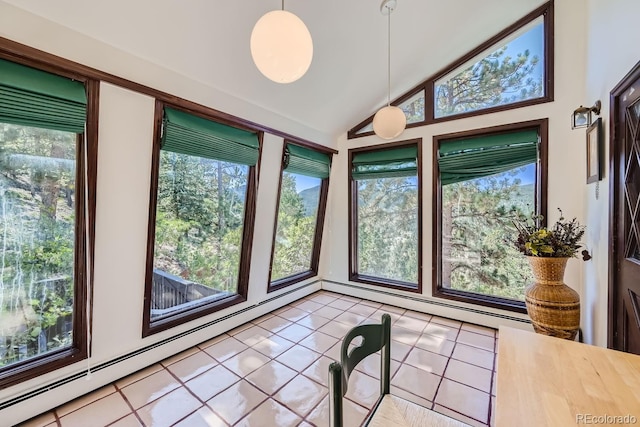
[{"x": 553, "y": 306}]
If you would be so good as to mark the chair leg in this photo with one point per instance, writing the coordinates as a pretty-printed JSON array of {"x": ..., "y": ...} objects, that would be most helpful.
[
  {"x": 385, "y": 374},
  {"x": 335, "y": 395}
]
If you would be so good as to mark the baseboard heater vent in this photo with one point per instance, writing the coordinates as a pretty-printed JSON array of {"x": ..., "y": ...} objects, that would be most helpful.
[
  {"x": 115, "y": 361},
  {"x": 428, "y": 301}
]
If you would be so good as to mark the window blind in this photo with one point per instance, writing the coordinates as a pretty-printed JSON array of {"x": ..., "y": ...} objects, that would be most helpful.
[
  {"x": 471, "y": 158},
  {"x": 31, "y": 97},
  {"x": 396, "y": 162},
  {"x": 304, "y": 161},
  {"x": 187, "y": 134}
]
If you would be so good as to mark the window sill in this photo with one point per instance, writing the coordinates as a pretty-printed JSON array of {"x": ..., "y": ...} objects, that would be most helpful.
[
  {"x": 483, "y": 300},
  {"x": 290, "y": 280},
  {"x": 22, "y": 371},
  {"x": 386, "y": 283}
]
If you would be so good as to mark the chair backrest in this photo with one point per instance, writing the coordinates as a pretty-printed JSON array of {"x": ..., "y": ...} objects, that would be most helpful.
[{"x": 374, "y": 337}]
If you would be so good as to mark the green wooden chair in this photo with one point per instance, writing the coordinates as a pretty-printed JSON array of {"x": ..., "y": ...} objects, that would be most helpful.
[{"x": 374, "y": 337}]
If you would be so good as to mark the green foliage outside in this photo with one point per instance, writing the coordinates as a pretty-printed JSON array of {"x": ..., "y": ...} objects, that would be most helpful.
[
  {"x": 37, "y": 195},
  {"x": 199, "y": 219},
  {"x": 388, "y": 228},
  {"x": 297, "y": 217},
  {"x": 477, "y": 232}
]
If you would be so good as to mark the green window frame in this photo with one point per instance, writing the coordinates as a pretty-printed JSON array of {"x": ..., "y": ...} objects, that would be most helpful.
[
  {"x": 310, "y": 165},
  {"x": 399, "y": 166}
]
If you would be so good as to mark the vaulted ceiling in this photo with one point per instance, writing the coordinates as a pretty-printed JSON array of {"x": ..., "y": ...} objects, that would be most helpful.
[{"x": 208, "y": 41}]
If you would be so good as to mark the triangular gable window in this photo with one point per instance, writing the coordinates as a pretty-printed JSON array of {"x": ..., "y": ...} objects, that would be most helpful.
[{"x": 512, "y": 69}]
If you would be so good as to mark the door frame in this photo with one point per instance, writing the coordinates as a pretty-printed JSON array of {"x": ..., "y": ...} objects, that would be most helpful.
[{"x": 615, "y": 179}]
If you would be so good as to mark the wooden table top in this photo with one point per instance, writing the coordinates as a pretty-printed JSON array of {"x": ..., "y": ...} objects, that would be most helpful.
[
  {"x": 547, "y": 381},
  {"x": 397, "y": 412}
]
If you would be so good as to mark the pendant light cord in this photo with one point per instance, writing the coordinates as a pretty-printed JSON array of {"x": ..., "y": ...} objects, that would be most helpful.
[{"x": 389, "y": 10}]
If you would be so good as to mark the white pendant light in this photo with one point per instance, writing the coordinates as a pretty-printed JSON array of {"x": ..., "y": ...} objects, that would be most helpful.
[
  {"x": 281, "y": 46},
  {"x": 390, "y": 121}
]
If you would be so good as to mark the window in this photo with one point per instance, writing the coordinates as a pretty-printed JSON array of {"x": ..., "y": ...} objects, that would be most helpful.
[
  {"x": 484, "y": 180},
  {"x": 385, "y": 216},
  {"x": 203, "y": 193},
  {"x": 512, "y": 69},
  {"x": 301, "y": 206},
  {"x": 43, "y": 211}
]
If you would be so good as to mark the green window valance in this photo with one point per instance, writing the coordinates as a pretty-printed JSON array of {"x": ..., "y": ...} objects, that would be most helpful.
[
  {"x": 185, "y": 133},
  {"x": 471, "y": 158},
  {"x": 31, "y": 97},
  {"x": 305, "y": 161},
  {"x": 396, "y": 162}
]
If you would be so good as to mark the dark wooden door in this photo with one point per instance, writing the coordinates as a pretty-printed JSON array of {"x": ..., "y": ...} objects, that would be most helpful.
[{"x": 624, "y": 280}]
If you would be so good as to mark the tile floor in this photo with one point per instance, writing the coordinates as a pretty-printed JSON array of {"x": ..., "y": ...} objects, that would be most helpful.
[{"x": 273, "y": 372}]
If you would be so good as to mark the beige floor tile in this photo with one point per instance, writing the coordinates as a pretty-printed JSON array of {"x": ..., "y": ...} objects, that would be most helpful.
[
  {"x": 203, "y": 417},
  {"x": 456, "y": 416},
  {"x": 236, "y": 401},
  {"x": 421, "y": 383},
  {"x": 213, "y": 341},
  {"x": 392, "y": 309},
  {"x": 136, "y": 376},
  {"x": 435, "y": 344},
  {"x": 238, "y": 329},
  {"x": 370, "y": 365},
  {"x": 309, "y": 306},
  {"x": 363, "y": 389},
  {"x": 473, "y": 355},
  {"x": 262, "y": 318},
  {"x": 411, "y": 323},
  {"x": 335, "y": 329},
  {"x": 396, "y": 391},
  {"x": 427, "y": 361},
  {"x": 463, "y": 399},
  {"x": 334, "y": 352},
  {"x": 128, "y": 421},
  {"x": 293, "y": 314},
  {"x": 298, "y": 358},
  {"x": 328, "y": 312},
  {"x": 212, "y": 382},
  {"x": 362, "y": 309},
  {"x": 295, "y": 332},
  {"x": 192, "y": 366},
  {"x": 319, "y": 370},
  {"x": 405, "y": 336},
  {"x": 441, "y": 331},
  {"x": 446, "y": 322},
  {"x": 341, "y": 304},
  {"x": 399, "y": 350},
  {"x": 471, "y": 375},
  {"x": 312, "y": 321},
  {"x": 319, "y": 342},
  {"x": 324, "y": 298},
  {"x": 173, "y": 359},
  {"x": 306, "y": 424},
  {"x": 150, "y": 388},
  {"x": 353, "y": 414},
  {"x": 225, "y": 349},
  {"x": 271, "y": 376},
  {"x": 273, "y": 346},
  {"x": 350, "y": 319},
  {"x": 270, "y": 413},
  {"x": 419, "y": 315},
  {"x": 169, "y": 409},
  {"x": 253, "y": 335},
  {"x": 350, "y": 298},
  {"x": 377, "y": 315},
  {"x": 99, "y": 413},
  {"x": 476, "y": 340},
  {"x": 301, "y": 395},
  {"x": 374, "y": 304},
  {"x": 85, "y": 400},
  {"x": 40, "y": 420},
  {"x": 246, "y": 362},
  {"x": 479, "y": 329},
  {"x": 275, "y": 324}
]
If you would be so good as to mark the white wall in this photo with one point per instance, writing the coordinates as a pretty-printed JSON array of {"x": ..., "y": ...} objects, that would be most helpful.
[
  {"x": 566, "y": 171},
  {"x": 613, "y": 49}
]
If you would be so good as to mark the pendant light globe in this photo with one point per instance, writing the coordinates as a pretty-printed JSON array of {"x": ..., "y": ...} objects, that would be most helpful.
[
  {"x": 281, "y": 46},
  {"x": 389, "y": 122}
]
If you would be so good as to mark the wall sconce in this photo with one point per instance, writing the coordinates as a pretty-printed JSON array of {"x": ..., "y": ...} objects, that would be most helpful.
[{"x": 581, "y": 117}]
